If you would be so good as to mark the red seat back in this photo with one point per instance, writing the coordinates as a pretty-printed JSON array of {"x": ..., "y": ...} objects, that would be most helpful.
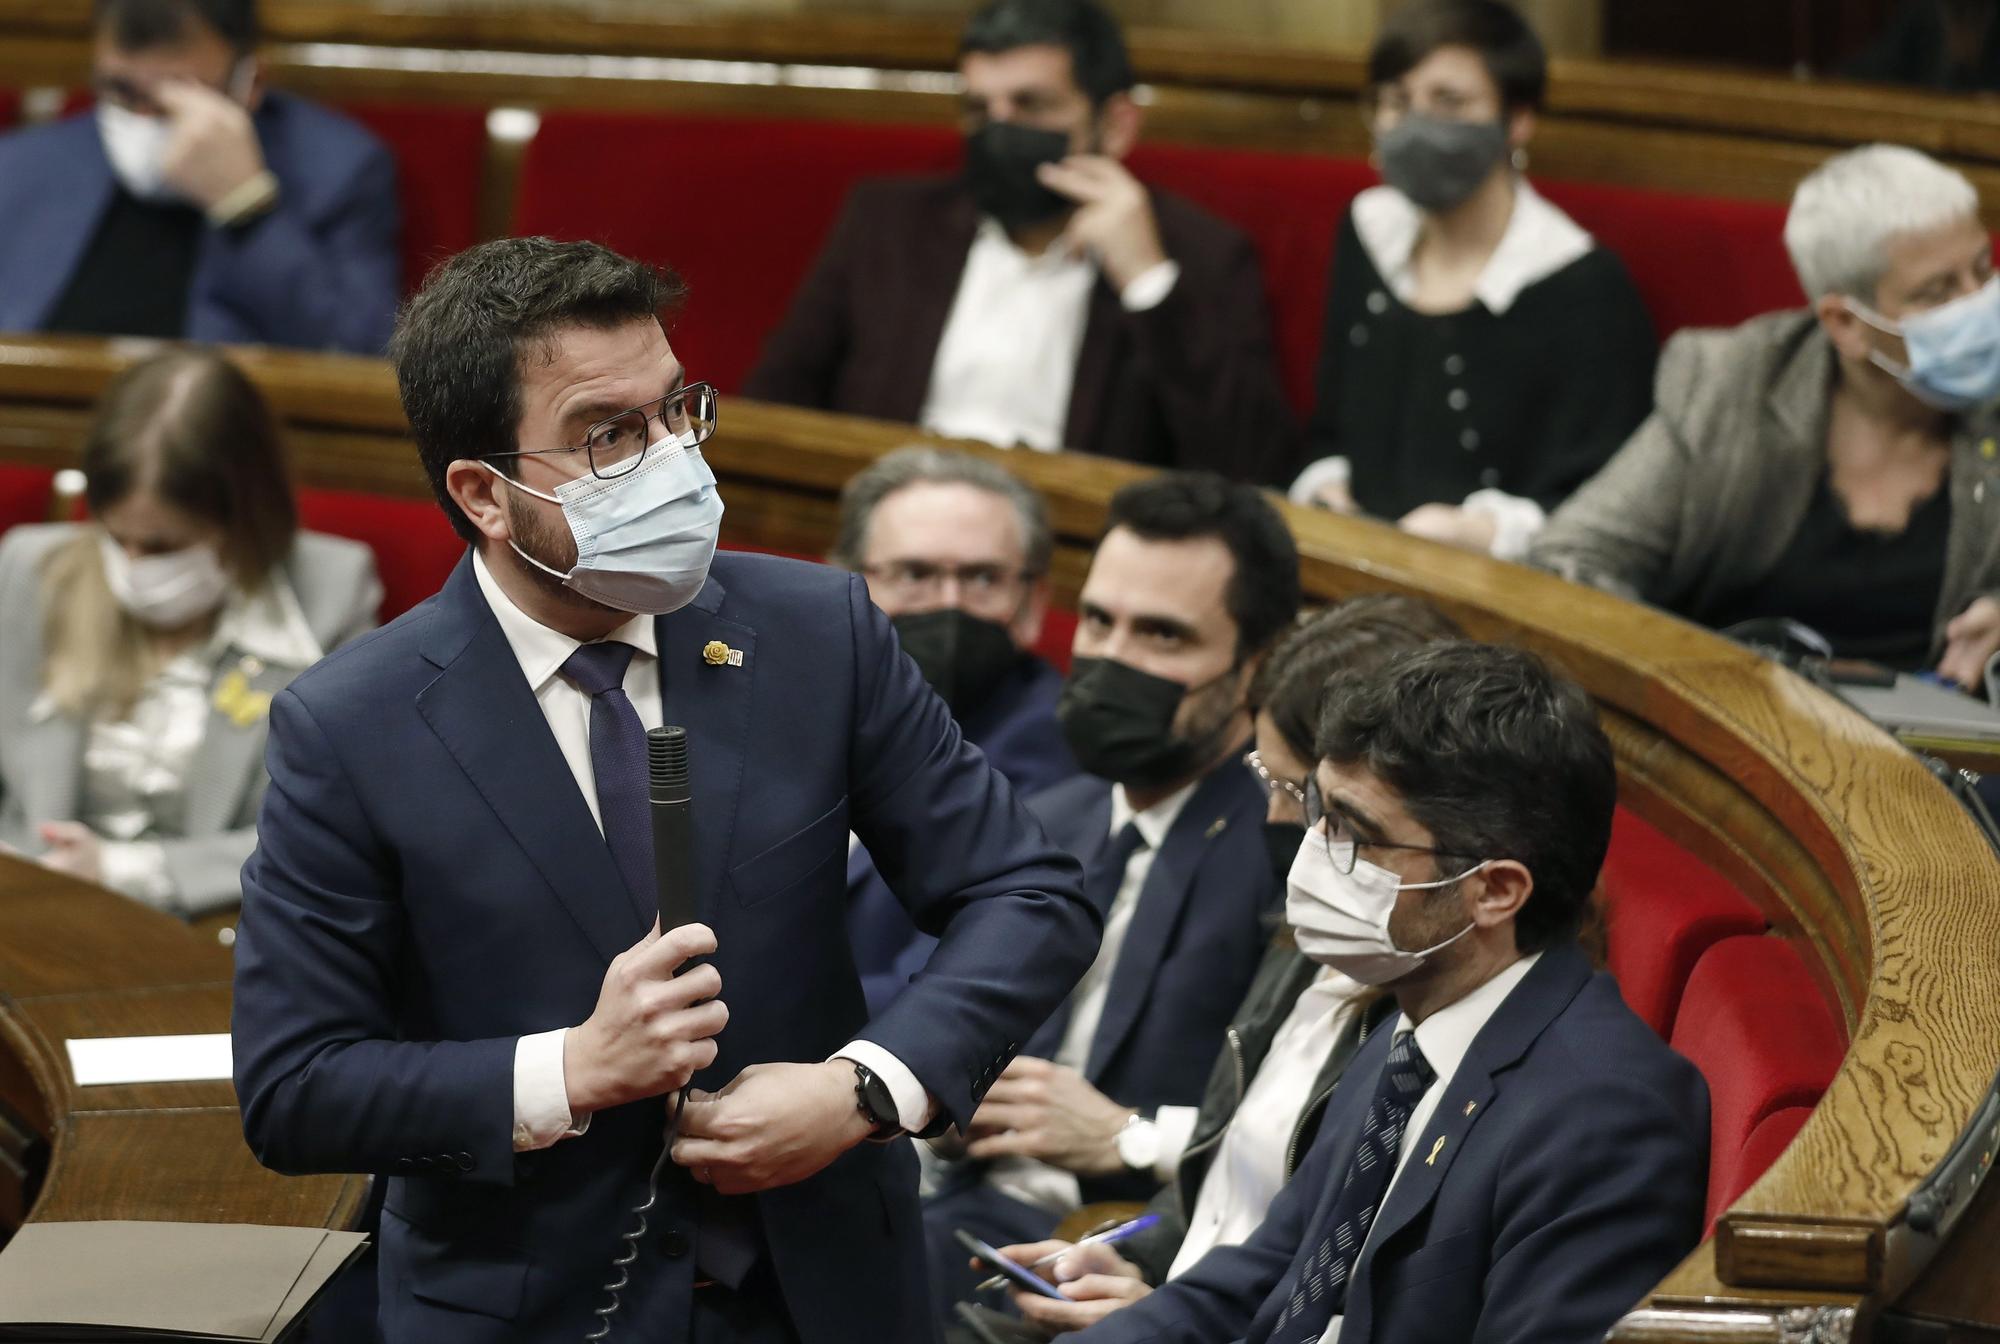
[
  {"x": 1764, "y": 1036},
  {"x": 25, "y": 495},
  {"x": 739, "y": 207},
  {"x": 440, "y": 154},
  {"x": 414, "y": 546},
  {"x": 1663, "y": 908}
]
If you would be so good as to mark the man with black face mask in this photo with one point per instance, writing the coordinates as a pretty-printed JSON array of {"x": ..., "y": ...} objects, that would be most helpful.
[
  {"x": 956, "y": 551},
  {"x": 1042, "y": 298},
  {"x": 1193, "y": 581}
]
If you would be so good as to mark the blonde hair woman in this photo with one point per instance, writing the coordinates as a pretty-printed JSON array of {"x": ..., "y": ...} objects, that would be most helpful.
[{"x": 141, "y": 649}]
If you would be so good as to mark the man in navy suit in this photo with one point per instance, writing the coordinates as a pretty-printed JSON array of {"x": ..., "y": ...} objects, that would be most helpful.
[
  {"x": 194, "y": 203},
  {"x": 448, "y": 970},
  {"x": 1514, "y": 1157},
  {"x": 956, "y": 553},
  {"x": 1195, "y": 578}
]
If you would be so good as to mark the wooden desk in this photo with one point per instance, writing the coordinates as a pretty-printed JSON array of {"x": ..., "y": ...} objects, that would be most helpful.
[{"x": 1849, "y": 847}]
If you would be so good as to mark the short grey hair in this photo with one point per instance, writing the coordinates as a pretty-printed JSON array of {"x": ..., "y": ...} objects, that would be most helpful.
[
  {"x": 921, "y": 464},
  {"x": 1847, "y": 210}
]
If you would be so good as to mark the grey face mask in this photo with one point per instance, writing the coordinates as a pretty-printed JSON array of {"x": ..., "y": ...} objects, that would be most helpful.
[{"x": 1439, "y": 164}]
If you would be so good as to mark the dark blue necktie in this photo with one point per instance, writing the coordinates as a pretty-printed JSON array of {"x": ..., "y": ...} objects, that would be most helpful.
[
  {"x": 1107, "y": 870},
  {"x": 1322, "y": 1290},
  {"x": 618, "y": 760}
]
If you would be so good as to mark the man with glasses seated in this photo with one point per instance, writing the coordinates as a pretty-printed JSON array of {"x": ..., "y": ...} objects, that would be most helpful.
[
  {"x": 1193, "y": 582},
  {"x": 1513, "y": 1157},
  {"x": 195, "y": 202},
  {"x": 956, "y": 553}
]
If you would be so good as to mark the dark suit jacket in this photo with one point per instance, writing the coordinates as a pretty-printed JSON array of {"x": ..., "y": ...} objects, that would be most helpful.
[
  {"x": 429, "y": 887},
  {"x": 1016, "y": 729},
  {"x": 321, "y": 271},
  {"x": 1192, "y": 947},
  {"x": 1569, "y": 1188},
  {"x": 1189, "y": 383}
]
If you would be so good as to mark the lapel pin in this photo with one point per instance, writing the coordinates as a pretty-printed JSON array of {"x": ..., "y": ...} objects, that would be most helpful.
[
  {"x": 1436, "y": 1148},
  {"x": 1471, "y": 1106},
  {"x": 1215, "y": 828},
  {"x": 1988, "y": 449},
  {"x": 717, "y": 654}
]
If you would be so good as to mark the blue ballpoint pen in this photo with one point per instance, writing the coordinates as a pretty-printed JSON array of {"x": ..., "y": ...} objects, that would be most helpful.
[{"x": 1104, "y": 1238}]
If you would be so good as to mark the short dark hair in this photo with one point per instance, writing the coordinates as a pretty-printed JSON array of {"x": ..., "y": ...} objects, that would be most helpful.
[
  {"x": 1498, "y": 756},
  {"x": 460, "y": 343},
  {"x": 1359, "y": 635},
  {"x": 136, "y": 25},
  {"x": 1263, "y": 593},
  {"x": 1083, "y": 28},
  {"x": 1512, "y": 53}
]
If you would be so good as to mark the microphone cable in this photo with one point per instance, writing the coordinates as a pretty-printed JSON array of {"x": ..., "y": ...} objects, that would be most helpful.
[{"x": 622, "y": 1263}]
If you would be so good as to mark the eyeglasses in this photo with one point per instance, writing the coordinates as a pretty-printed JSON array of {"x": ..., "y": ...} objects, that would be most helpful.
[
  {"x": 1273, "y": 783},
  {"x": 1338, "y": 833},
  {"x": 924, "y": 581},
  {"x": 619, "y": 443}
]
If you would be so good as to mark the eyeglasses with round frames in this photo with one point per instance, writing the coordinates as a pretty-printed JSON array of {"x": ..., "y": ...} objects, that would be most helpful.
[
  {"x": 1342, "y": 845},
  {"x": 617, "y": 444}
]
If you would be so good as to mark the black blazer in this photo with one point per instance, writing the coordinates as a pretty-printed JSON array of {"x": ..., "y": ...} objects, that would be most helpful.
[{"x": 1189, "y": 383}]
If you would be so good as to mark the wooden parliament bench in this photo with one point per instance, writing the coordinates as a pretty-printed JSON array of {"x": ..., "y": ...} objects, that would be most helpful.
[{"x": 1785, "y": 878}]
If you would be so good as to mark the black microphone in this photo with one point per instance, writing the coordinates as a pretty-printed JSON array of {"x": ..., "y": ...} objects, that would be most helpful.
[{"x": 673, "y": 827}]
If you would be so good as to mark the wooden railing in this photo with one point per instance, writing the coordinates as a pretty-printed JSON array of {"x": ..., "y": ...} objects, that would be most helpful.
[{"x": 1878, "y": 1207}]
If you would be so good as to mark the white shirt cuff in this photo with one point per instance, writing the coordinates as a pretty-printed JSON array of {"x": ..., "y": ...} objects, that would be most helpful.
[
  {"x": 137, "y": 868},
  {"x": 1150, "y": 287},
  {"x": 1337, "y": 471},
  {"x": 541, "y": 1093},
  {"x": 914, "y": 1107},
  {"x": 1516, "y": 520},
  {"x": 1175, "y": 1126}
]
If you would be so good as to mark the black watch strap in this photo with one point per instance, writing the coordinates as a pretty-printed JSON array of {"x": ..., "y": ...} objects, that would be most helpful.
[{"x": 874, "y": 1100}]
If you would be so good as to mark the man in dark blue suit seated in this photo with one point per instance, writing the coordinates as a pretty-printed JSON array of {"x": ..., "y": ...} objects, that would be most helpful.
[
  {"x": 1194, "y": 580},
  {"x": 194, "y": 202},
  {"x": 1514, "y": 1158},
  {"x": 956, "y": 553},
  {"x": 448, "y": 967}
]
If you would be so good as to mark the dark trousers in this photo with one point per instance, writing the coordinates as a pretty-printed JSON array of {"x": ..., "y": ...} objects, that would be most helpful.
[{"x": 752, "y": 1314}]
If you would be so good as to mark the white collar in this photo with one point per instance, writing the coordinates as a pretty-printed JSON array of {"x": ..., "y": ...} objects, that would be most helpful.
[
  {"x": 1540, "y": 240},
  {"x": 1054, "y": 260},
  {"x": 268, "y": 624},
  {"x": 1155, "y": 821},
  {"x": 540, "y": 650},
  {"x": 1448, "y": 1033}
]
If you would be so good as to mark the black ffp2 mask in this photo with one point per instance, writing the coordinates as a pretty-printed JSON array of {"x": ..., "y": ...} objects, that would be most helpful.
[
  {"x": 1119, "y": 723},
  {"x": 963, "y": 657},
  {"x": 1000, "y": 164}
]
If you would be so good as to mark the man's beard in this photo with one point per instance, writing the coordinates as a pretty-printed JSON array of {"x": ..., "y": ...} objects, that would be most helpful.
[{"x": 549, "y": 544}]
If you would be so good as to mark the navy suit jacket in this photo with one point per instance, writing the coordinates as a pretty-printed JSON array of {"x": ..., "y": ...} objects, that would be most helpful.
[
  {"x": 1194, "y": 943},
  {"x": 429, "y": 886},
  {"x": 321, "y": 271},
  {"x": 1016, "y": 729},
  {"x": 1570, "y": 1165}
]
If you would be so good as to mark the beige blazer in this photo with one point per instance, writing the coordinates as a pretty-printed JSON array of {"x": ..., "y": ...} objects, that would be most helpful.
[
  {"x": 41, "y": 754},
  {"x": 1707, "y": 493}
]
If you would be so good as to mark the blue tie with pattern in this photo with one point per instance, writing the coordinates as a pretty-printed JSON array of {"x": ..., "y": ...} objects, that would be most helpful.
[
  {"x": 1322, "y": 1289},
  {"x": 618, "y": 760}
]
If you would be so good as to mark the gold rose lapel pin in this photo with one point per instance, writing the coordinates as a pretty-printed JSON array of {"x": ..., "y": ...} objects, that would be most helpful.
[{"x": 717, "y": 654}]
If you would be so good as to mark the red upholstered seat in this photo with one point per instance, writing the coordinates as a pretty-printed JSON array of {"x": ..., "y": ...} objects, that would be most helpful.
[
  {"x": 10, "y": 108},
  {"x": 440, "y": 155},
  {"x": 24, "y": 495},
  {"x": 1764, "y": 1036},
  {"x": 739, "y": 207},
  {"x": 414, "y": 546},
  {"x": 1663, "y": 908}
]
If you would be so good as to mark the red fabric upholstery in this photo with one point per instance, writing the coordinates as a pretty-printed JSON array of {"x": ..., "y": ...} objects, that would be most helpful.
[
  {"x": 414, "y": 546},
  {"x": 10, "y": 108},
  {"x": 24, "y": 495},
  {"x": 1773, "y": 1134},
  {"x": 440, "y": 155},
  {"x": 1763, "y": 1035},
  {"x": 1663, "y": 908},
  {"x": 738, "y": 207}
]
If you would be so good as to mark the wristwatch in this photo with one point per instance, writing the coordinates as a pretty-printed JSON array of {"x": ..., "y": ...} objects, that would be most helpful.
[
  {"x": 874, "y": 1100},
  {"x": 1139, "y": 1144}
]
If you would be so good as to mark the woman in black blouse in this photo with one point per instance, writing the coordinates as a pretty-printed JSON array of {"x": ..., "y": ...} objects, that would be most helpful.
[{"x": 1482, "y": 355}]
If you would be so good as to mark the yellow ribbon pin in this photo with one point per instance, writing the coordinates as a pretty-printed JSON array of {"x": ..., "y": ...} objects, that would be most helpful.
[
  {"x": 1436, "y": 1148},
  {"x": 237, "y": 702}
]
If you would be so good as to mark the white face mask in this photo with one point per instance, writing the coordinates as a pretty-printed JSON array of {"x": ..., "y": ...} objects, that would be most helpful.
[
  {"x": 644, "y": 540},
  {"x": 165, "y": 591},
  {"x": 1342, "y": 919},
  {"x": 136, "y": 144}
]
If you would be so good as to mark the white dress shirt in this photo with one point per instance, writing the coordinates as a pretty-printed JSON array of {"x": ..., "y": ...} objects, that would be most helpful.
[
  {"x": 1444, "y": 1037},
  {"x": 1539, "y": 241},
  {"x": 1006, "y": 363},
  {"x": 541, "y": 1091},
  {"x": 1249, "y": 1165},
  {"x": 1026, "y": 1179}
]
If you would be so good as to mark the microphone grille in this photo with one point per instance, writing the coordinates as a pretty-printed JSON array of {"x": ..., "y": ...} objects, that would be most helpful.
[{"x": 667, "y": 763}]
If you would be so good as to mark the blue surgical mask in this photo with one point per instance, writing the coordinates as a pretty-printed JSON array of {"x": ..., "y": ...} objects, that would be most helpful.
[
  {"x": 1954, "y": 349},
  {"x": 644, "y": 540}
]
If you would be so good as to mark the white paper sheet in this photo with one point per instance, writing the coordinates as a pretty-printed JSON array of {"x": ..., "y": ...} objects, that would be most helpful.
[{"x": 101, "y": 1060}]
